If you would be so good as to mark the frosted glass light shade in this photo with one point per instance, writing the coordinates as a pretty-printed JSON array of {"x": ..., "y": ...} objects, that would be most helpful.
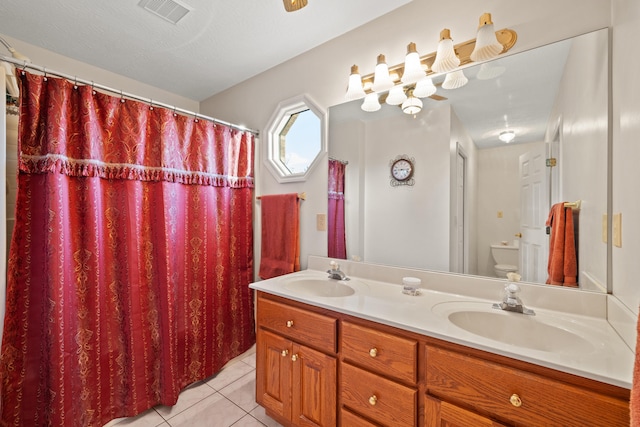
[
  {"x": 455, "y": 80},
  {"x": 446, "y": 59},
  {"x": 507, "y": 136},
  {"x": 371, "y": 103},
  {"x": 412, "y": 105},
  {"x": 355, "y": 89},
  {"x": 424, "y": 88},
  {"x": 381, "y": 80},
  {"x": 413, "y": 70},
  {"x": 489, "y": 71},
  {"x": 396, "y": 96},
  {"x": 487, "y": 44}
]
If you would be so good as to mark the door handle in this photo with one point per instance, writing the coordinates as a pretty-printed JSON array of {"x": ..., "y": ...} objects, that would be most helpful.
[{"x": 518, "y": 235}]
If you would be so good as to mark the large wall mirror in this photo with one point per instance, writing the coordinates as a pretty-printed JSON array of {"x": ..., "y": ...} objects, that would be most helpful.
[{"x": 472, "y": 201}]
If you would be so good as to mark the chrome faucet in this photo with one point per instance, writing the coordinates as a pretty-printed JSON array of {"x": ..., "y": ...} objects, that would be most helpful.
[
  {"x": 335, "y": 272},
  {"x": 512, "y": 302}
]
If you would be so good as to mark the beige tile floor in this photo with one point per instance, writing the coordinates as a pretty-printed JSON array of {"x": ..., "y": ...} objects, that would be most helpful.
[{"x": 227, "y": 399}]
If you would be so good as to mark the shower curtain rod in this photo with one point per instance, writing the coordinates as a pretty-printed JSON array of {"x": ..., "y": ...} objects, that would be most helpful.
[{"x": 44, "y": 70}]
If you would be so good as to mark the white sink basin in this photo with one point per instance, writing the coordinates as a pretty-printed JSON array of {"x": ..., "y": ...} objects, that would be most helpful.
[
  {"x": 542, "y": 332},
  {"x": 319, "y": 287}
]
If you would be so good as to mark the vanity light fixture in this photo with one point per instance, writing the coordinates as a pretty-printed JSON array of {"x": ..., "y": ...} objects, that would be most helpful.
[
  {"x": 355, "y": 89},
  {"x": 416, "y": 75},
  {"x": 381, "y": 79},
  {"x": 293, "y": 5},
  {"x": 446, "y": 58},
  {"x": 455, "y": 80},
  {"x": 412, "y": 105},
  {"x": 413, "y": 70},
  {"x": 487, "y": 45},
  {"x": 506, "y": 136},
  {"x": 424, "y": 88},
  {"x": 371, "y": 102}
]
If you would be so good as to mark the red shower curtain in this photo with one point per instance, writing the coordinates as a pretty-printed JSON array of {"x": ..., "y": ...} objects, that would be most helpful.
[
  {"x": 131, "y": 257},
  {"x": 336, "y": 227}
]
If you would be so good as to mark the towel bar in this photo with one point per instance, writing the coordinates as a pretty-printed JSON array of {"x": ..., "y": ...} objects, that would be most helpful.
[
  {"x": 573, "y": 205},
  {"x": 301, "y": 196}
]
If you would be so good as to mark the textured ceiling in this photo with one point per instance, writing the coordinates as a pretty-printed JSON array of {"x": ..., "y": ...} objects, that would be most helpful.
[{"x": 219, "y": 44}]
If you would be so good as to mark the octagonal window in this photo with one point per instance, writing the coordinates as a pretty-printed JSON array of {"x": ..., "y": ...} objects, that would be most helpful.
[{"x": 295, "y": 139}]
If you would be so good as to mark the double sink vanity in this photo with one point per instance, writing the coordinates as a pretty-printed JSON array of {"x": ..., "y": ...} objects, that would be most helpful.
[{"x": 360, "y": 352}]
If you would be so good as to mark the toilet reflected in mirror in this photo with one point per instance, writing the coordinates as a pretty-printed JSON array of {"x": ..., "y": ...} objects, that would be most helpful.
[{"x": 506, "y": 259}]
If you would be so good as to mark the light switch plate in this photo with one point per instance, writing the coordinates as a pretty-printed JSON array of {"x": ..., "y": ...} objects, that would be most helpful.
[
  {"x": 617, "y": 230},
  {"x": 321, "y": 222},
  {"x": 604, "y": 228}
]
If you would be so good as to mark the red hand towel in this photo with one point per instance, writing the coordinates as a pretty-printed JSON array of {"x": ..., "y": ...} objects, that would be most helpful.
[
  {"x": 280, "y": 246},
  {"x": 562, "y": 265}
]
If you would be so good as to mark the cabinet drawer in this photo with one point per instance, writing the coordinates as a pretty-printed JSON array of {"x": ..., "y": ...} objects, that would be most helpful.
[
  {"x": 349, "y": 419},
  {"x": 312, "y": 329},
  {"x": 488, "y": 388},
  {"x": 380, "y": 351},
  {"x": 377, "y": 398}
]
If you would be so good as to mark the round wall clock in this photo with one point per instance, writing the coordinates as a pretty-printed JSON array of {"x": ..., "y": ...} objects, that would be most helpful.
[{"x": 402, "y": 171}]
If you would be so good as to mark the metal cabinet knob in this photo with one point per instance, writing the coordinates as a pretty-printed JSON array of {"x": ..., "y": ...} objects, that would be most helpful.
[
  {"x": 373, "y": 400},
  {"x": 515, "y": 400},
  {"x": 289, "y": 323},
  {"x": 294, "y": 357},
  {"x": 284, "y": 353},
  {"x": 373, "y": 352}
]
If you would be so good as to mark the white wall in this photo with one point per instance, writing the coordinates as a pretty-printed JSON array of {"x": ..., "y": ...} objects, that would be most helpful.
[
  {"x": 425, "y": 205},
  {"x": 63, "y": 64},
  {"x": 581, "y": 108},
  {"x": 626, "y": 149},
  {"x": 323, "y": 72}
]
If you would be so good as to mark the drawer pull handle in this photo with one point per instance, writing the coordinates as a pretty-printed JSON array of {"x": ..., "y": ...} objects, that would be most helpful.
[
  {"x": 294, "y": 357},
  {"x": 373, "y": 352},
  {"x": 289, "y": 323},
  {"x": 373, "y": 400},
  {"x": 515, "y": 400},
  {"x": 284, "y": 353}
]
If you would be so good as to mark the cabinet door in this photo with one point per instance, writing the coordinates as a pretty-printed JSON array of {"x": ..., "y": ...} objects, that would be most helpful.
[
  {"x": 443, "y": 414},
  {"x": 314, "y": 388},
  {"x": 273, "y": 373}
]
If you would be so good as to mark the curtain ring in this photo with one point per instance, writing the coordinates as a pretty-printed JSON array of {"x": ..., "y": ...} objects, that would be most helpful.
[
  {"x": 75, "y": 82},
  {"x": 151, "y": 104},
  {"x": 44, "y": 70},
  {"x": 174, "y": 112},
  {"x": 93, "y": 90},
  {"x": 121, "y": 97},
  {"x": 195, "y": 115},
  {"x": 24, "y": 67}
]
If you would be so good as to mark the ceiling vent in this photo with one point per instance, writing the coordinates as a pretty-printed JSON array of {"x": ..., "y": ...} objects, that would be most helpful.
[{"x": 170, "y": 10}]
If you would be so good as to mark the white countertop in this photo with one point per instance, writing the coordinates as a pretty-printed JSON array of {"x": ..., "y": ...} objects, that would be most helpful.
[{"x": 608, "y": 358}]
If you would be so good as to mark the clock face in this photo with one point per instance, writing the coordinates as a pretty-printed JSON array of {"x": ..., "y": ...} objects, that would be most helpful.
[{"x": 401, "y": 169}]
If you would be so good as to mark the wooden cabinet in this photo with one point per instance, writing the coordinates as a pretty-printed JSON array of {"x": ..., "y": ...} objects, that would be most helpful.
[
  {"x": 379, "y": 375},
  {"x": 316, "y": 367},
  {"x": 515, "y": 396},
  {"x": 295, "y": 383},
  {"x": 444, "y": 414}
]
